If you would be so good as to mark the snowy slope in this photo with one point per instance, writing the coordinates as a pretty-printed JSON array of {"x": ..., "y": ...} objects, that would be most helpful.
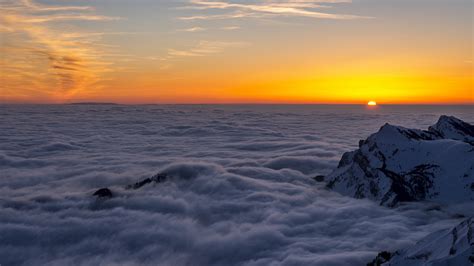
[
  {"x": 454, "y": 246},
  {"x": 452, "y": 128},
  {"x": 398, "y": 164}
]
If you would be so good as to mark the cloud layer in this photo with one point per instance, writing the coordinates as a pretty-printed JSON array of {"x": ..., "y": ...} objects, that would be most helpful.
[{"x": 240, "y": 191}]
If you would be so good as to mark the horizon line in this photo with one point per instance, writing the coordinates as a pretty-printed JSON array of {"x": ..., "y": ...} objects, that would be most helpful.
[{"x": 235, "y": 103}]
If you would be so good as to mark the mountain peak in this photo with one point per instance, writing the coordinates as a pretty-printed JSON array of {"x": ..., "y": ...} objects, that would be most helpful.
[
  {"x": 399, "y": 164},
  {"x": 392, "y": 132},
  {"x": 451, "y": 127}
]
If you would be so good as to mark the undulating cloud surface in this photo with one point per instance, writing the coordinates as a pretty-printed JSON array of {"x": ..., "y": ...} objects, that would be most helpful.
[{"x": 240, "y": 191}]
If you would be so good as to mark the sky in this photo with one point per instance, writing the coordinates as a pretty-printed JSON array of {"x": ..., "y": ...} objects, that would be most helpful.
[{"x": 228, "y": 51}]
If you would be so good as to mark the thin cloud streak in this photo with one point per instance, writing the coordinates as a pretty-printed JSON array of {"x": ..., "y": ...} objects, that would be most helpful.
[
  {"x": 230, "y": 28},
  {"x": 193, "y": 29},
  {"x": 204, "y": 48},
  {"x": 257, "y": 10},
  {"x": 50, "y": 18},
  {"x": 42, "y": 8}
]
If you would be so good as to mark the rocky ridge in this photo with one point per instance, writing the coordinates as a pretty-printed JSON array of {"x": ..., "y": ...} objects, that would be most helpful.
[
  {"x": 453, "y": 246},
  {"x": 398, "y": 164}
]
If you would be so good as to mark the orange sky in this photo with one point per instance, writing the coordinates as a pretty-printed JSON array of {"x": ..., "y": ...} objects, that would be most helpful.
[{"x": 237, "y": 51}]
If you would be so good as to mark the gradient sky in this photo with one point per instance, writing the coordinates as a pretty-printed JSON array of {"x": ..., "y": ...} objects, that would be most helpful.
[{"x": 228, "y": 51}]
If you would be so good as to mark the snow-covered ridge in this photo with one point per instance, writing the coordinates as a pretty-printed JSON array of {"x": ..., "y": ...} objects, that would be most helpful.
[
  {"x": 450, "y": 127},
  {"x": 454, "y": 246},
  {"x": 398, "y": 164}
]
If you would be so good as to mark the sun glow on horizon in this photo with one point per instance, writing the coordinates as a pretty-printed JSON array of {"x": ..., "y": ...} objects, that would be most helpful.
[{"x": 54, "y": 52}]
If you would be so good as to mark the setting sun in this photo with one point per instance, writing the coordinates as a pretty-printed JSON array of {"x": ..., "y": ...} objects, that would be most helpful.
[
  {"x": 236, "y": 124},
  {"x": 226, "y": 51}
]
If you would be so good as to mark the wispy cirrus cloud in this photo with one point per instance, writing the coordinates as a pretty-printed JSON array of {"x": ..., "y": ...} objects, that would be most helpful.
[
  {"x": 49, "y": 18},
  {"x": 45, "y": 55},
  {"x": 200, "y": 29},
  {"x": 230, "y": 28},
  {"x": 193, "y": 29},
  {"x": 261, "y": 9},
  {"x": 204, "y": 48},
  {"x": 38, "y": 7}
]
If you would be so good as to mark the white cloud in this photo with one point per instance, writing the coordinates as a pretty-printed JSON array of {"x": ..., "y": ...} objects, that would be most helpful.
[
  {"x": 204, "y": 48},
  {"x": 240, "y": 192},
  {"x": 267, "y": 8},
  {"x": 193, "y": 29},
  {"x": 230, "y": 28}
]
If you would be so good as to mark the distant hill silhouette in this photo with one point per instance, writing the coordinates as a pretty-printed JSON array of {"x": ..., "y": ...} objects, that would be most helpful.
[{"x": 92, "y": 103}]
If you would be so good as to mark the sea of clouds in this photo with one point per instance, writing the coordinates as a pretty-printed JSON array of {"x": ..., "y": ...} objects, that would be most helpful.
[{"x": 240, "y": 191}]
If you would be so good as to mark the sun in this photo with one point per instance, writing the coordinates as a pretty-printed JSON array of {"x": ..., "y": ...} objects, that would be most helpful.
[{"x": 372, "y": 103}]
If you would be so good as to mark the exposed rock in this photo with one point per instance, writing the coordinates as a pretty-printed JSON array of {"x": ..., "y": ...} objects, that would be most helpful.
[
  {"x": 319, "y": 178},
  {"x": 158, "y": 178},
  {"x": 397, "y": 164},
  {"x": 107, "y": 193},
  {"x": 103, "y": 193},
  {"x": 453, "y": 246},
  {"x": 381, "y": 258}
]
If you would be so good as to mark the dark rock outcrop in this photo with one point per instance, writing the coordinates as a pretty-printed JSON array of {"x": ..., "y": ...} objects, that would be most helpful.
[
  {"x": 381, "y": 258},
  {"x": 319, "y": 178},
  {"x": 103, "y": 193},
  {"x": 158, "y": 178}
]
